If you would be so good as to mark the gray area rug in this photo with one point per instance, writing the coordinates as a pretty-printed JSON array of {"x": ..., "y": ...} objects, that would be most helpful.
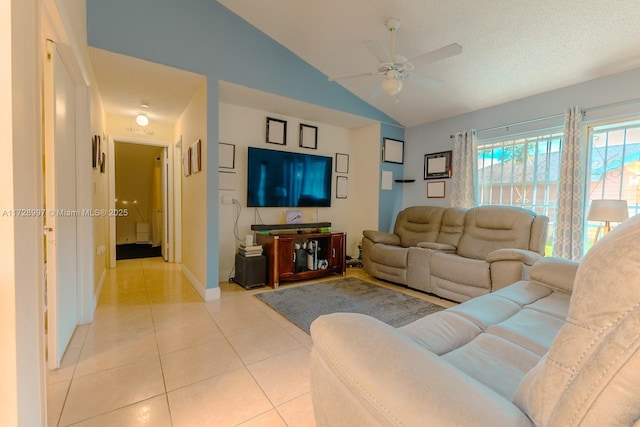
[{"x": 303, "y": 304}]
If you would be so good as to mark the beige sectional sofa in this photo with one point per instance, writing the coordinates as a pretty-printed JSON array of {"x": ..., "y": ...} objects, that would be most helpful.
[
  {"x": 456, "y": 253},
  {"x": 559, "y": 349}
]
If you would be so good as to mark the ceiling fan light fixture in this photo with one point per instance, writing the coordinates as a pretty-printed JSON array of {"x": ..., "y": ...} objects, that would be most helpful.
[
  {"x": 391, "y": 86},
  {"x": 142, "y": 119}
]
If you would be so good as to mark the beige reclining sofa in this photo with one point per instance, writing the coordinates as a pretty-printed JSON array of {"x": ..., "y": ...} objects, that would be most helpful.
[
  {"x": 559, "y": 349},
  {"x": 456, "y": 253}
]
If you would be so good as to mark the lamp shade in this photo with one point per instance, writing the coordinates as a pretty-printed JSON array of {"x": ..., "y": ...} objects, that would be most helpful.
[
  {"x": 391, "y": 86},
  {"x": 608, "y": 210}
]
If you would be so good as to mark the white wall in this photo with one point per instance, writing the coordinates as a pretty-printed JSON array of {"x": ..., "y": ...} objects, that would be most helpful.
[
  {"x": 21, "y": 285},
  {"x": 434, "y": 137},
  {"x": 245, "y": 127},
  {"x": 364, "y": 175},
  {"x": 191, "y": 126},
  {"x": 100, "y": 194}
]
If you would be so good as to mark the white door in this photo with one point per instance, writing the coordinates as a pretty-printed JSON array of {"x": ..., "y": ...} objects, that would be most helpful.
[
  {"x": 61, "y": 206},
  {"x": 165, "y": 203}
]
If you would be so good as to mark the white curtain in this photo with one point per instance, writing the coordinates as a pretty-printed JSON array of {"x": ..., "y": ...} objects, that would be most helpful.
[
  {"x": 465, "y": 169},
  {"x": 569, "y": 212}
]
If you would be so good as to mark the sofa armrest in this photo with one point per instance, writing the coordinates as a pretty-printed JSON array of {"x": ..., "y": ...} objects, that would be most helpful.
[
  {"x": 382, "y": 237},
  {"x": 440, "y": 247},
  {"x": 557, "y": 273},
  {"x": 524, "y": 256},
  {"x": 365, "y": 372}
]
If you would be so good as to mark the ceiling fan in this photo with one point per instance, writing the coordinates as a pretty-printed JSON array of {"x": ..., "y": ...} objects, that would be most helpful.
[{"x": 395, "y": 68}]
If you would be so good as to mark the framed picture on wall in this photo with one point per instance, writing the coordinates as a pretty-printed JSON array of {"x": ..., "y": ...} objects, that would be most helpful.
[
  {"x": 342, "y": 163},
  {"x": 392, "y": 151},
  {"x": 276, "y": 131},
  {"x": 186, "y": 162},
  {"x": 196, "y": 157},
  {"x": 342, "y": 187},
  {"x": 94, "y": 151},
  {"x": 227, "y": 156},
  {"x": 436, "y": 189},
  {"x": 308, "y": 136},
  {"x": 437, "y": 165}
]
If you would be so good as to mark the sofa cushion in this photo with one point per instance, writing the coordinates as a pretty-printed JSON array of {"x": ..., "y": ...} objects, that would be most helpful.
[
  {"x": 488, "y": 228},
  {"x": 442, "y": 332},
  {"x": 530, "y": 329},
  {"x": 591, "y": 375},
  {"x": 418, "y": 224},
  {"x": 392, "y": 256},
  {"x": 466, "y": 271},
  {"x": 495, "y": 362},
  {"x": 452, "y": 226}
]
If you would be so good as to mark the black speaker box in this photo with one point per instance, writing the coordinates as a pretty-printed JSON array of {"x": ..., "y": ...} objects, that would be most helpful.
[{"x": 251, "y": 272}]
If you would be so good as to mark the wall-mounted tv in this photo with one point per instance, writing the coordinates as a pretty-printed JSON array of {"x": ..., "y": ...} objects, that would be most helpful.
[{"x": 285, "y": 179}]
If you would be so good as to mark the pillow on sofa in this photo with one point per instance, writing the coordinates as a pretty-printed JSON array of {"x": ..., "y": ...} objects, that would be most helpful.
[{"x": 591, "y": 374}]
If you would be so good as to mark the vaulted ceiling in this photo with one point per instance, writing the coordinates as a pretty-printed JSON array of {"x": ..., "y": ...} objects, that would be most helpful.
[{"x": 511, "y": 48}]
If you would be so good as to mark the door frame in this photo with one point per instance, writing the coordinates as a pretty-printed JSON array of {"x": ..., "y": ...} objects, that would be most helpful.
[
  {"x": 84, "y": 186},
  {"x": 169, "y": 220}
]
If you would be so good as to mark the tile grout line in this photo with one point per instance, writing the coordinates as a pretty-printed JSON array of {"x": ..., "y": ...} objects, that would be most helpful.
[{"x": 155, "y": 334}]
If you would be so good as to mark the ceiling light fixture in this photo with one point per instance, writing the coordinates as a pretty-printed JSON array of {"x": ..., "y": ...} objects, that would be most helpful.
[
  {"x": 392, "y": 85},
  {"x": 142, "y": 119}
]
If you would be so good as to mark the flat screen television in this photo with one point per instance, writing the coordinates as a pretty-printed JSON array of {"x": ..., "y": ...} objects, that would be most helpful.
[{"x": 285, "y": 179}]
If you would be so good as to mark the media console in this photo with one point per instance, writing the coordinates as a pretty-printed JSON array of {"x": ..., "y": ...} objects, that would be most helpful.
[{"x": 298, "y": 254}]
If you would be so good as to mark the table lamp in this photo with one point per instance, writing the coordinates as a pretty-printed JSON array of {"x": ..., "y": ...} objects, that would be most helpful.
[{"x": 607, "y": 210}]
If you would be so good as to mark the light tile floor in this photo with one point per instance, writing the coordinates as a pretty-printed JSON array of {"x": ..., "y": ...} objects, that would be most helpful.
[{"x": 157, "y": 355}]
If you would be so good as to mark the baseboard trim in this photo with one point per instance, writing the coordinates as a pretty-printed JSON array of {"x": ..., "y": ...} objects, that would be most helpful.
[
  {"x": 208, "y": 294},
  {"x": 96, "y": 296}
]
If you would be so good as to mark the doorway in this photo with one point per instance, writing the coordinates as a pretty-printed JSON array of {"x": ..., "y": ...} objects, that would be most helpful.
[{"x": 141, "y": 194}]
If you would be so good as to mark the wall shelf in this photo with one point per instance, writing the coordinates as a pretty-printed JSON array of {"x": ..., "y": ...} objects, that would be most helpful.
[{"x": 402, "y": 181}]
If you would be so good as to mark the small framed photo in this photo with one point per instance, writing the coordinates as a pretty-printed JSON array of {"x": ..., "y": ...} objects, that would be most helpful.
[
  {"x": 196, "y": 157},
  {"x": 227, "y": 180},
  {"x": 342, "y": 187},
  {"x": 227, "y": 155},
  {"x": 276, "y": 131},
  {"x": 186, "y": 162},
  {"x": 94, "y": 151},
  {"x": 437, "y": 165},
  {"x": 308, "y": 136},
  {"x": 436, "y": 189},
  {"x": 342, "y": 163},
  {"x": 393, "y": 151}
]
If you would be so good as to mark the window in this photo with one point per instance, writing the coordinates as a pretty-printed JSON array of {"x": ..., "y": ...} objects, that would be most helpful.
[
  {"x": 614, "y": 168},
  {"x": 521, "y": 171}
]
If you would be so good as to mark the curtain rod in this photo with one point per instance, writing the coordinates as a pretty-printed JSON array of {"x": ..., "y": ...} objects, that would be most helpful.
[
  {"x": 554, "y": 116},
  {"x": 524, "y": 122}
]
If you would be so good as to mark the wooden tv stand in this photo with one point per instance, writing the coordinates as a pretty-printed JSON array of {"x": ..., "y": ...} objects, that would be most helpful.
[{"x": 279, "y": 248}]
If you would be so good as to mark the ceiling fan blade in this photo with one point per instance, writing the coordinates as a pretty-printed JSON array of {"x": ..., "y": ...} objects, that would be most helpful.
[
  {"x": 426, "y": 82},
  {"x": 377, "y": 91},
  {"x": 436, "y": 55},
  {"x": 378, "y": 50},
  {"x": 351, "y": 76}
]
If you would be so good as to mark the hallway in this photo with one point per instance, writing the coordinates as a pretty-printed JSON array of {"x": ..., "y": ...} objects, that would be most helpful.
[{"x": 157, "y": 355}]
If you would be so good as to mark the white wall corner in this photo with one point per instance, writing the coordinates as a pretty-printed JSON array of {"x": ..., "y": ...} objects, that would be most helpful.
[{"x": 208, "y": 294}]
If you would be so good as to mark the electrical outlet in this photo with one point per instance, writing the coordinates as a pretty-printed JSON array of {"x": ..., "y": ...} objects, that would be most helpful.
[{"x": 227, "y": 199}]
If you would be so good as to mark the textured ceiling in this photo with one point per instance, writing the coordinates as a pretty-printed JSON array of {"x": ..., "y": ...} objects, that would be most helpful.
[
  {"x": 511, "y": 48},
  {"x": 126, "y": 82}
]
